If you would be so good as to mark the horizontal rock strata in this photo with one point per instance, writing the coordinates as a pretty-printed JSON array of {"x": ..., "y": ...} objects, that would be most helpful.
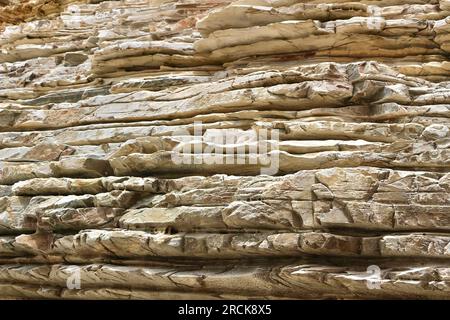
[{"x": 225, "y": 149}]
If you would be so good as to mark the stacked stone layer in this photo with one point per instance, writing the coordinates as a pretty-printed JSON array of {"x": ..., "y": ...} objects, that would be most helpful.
[{"x": 98, "y": 99}]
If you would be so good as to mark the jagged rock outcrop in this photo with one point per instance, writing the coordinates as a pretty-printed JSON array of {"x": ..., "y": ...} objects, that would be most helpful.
[{"x": 335, "y": 118}]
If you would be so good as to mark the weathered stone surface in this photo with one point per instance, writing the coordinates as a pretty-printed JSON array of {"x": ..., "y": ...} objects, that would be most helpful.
[
  {"x": 105, "y": 170},
  {"x": 223, "y": 281}
]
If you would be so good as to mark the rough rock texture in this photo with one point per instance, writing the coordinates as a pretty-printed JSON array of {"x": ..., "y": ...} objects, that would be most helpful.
[{"x": 99, "y": 99}]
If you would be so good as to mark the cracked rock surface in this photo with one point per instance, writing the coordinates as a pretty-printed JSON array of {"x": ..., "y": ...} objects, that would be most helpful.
[{"x": 105, "y": 173}]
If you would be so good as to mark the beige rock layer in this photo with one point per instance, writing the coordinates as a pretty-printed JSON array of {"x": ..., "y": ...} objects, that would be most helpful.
[{"x": 106, "y": 174}]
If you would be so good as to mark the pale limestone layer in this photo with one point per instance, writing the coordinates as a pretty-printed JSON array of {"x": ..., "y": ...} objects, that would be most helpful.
[{"x": 105, "y": 172}]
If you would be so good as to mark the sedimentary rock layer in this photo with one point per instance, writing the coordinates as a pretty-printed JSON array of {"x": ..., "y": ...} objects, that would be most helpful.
[{"x": 224, "y": 149}]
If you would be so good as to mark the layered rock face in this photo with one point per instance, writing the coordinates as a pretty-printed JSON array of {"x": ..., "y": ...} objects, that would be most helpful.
[{"x": 224, "y": 149}]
